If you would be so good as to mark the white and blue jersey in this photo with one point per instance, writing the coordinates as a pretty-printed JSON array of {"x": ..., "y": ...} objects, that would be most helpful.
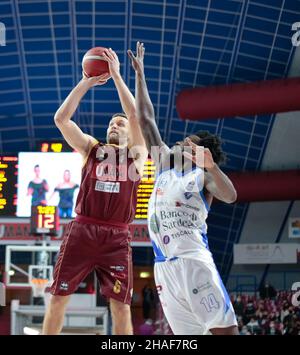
[
  {"x": 190, "y": 289},
  {"x": 177, "y": 213}
]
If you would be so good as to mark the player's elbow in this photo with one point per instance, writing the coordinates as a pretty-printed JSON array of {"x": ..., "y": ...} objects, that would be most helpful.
[
  {"x": 232, "y": 196},
  {"x": 58, "y": 119},
  {"x": 61, "y": 117}
]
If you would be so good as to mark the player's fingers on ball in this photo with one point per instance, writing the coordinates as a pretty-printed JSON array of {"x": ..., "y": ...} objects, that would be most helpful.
[
  {"x": 107, "y": 55},
  {"x": 113, "y": 53}
]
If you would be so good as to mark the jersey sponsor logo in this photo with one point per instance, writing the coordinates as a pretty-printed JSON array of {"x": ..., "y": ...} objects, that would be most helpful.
[
  {"x": 111, "y": 187},
  {"x": 181, "y": 204},
  {"x": 117, "y": 287},
  {"x": 154, "y": 223},
  {"x": 166, "y": 239},
  {"x": 64, "y": 286},
  {"x": 177, "y": 214},
  {"x": 178, "y": 219},
  {"x": 188, "y": 195},
  {"x": 110, "y": 172},
  {"x": 206, "y": 286},
  {"x": 182, "y": 233}
]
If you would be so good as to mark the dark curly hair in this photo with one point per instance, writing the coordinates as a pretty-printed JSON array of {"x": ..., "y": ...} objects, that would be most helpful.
[{"x": 213, "y": 143}]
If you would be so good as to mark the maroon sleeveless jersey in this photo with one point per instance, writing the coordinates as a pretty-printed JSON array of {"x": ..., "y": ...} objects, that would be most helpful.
[{"x": 108, "y": 190}]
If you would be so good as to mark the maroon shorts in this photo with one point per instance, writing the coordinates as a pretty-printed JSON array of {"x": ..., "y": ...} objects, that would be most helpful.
[{"x": 101, "y": 247}]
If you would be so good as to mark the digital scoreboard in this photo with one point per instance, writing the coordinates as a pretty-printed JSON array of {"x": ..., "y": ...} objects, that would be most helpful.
[
  {"x": 145, "y": 189},
  {"x": 54, "y": 147},
  {"x": 44, "y": 220},
  {"x": 16, "y": 174},
  {"x": 8, "y": 185}
]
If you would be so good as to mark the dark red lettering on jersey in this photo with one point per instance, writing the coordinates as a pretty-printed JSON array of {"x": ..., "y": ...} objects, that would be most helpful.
[
  {"x": 115, "y": 198},
  {"x": 109, "y": 172}
]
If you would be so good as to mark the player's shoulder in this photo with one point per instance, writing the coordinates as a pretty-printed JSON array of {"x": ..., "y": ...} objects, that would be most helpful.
[{"x": 92, "y": 141}]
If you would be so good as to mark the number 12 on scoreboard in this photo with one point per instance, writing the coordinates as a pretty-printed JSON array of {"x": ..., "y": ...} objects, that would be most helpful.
[{"x": 44, "y": 220}]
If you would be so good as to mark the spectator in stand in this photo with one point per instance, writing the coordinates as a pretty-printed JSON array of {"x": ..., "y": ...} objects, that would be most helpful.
[
  {"x": 249, "y": 312},
  {"x": 148, "y": 301},
  {"x": 253, "y": 326},
  {"x": 244, "y": 331},
  {"x": 268, "y": 317},
  {"x": 273, "y": 329},
  {"x": 238, "y": 306},
  {"x": 267, "y": 291}
]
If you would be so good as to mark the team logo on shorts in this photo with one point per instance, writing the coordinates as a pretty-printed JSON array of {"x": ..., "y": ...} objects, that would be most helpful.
[
  {"x": 154, "y": 223},
  {"x": 117, "y": 287},
  {"x": 207, "y": 285},
  {"x": 166, "y": 239},
  {"x": 118, "y": 267},
  {"x": 64, "y": 286}
]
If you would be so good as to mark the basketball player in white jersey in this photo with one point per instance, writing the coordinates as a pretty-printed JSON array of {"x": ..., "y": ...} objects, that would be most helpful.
[{"x": 191, "y": 291}]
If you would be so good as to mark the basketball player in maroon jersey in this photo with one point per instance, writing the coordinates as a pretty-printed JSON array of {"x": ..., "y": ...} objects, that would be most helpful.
[{"x": 98, "y": 239}]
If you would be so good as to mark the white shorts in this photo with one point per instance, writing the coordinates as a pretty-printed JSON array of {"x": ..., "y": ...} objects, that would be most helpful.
[{"x": 193, "y": 296}]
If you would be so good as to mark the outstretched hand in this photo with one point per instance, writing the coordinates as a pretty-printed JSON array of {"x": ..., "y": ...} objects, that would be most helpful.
[{"x": 137, "y": 60}]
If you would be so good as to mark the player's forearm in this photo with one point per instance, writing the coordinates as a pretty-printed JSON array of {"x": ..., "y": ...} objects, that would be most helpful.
[
  {"x": 69, "y": 106},
  {"x": 224, "y": 189},
  {"x": 143, "y": 102},
  {"x": 145, "y": 113},
  {"x": 126, "y": 98}
]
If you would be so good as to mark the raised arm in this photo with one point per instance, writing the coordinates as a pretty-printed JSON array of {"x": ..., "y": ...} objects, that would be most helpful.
[
  {"x": 128, "y": 105},
  {"x": 71, "y": 132},
  {"x": 126, "y": 98},
  {"x": 216, "y": 182},
  {"x": 144, "y": 107}
]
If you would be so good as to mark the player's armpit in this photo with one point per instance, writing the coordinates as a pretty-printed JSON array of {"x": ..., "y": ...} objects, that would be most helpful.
[{"x": 75, "y": 137}]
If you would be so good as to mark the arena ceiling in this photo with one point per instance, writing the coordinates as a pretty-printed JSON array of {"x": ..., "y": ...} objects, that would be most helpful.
[{"x": 188, "y": 43}]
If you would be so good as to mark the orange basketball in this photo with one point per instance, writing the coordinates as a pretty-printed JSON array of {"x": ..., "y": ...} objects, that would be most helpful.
[{"x": 93, "y": 62}]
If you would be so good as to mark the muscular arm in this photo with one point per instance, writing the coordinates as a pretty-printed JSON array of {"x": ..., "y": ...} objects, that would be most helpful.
[
  {"x": 71, "y": 132},
  {"x": 219, "y": 185},
  {"x": 128, "y": 106},
  {"x": 144, "y": 107},
  {"x": 145, "y": 113}
]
